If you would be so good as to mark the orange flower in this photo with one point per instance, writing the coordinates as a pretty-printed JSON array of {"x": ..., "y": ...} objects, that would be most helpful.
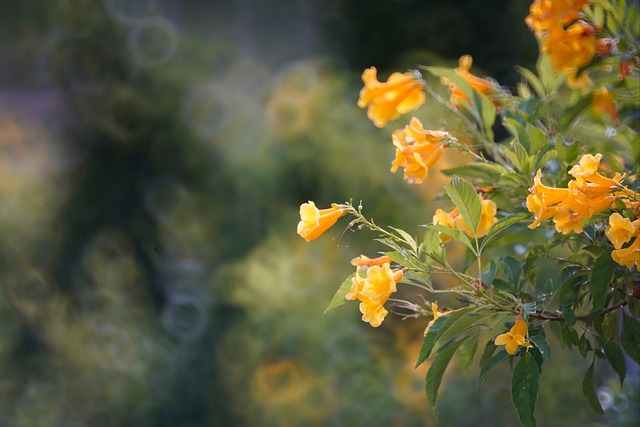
[
  {"x": 515, "y": 338},
  {"x": 314, "y": 221},
  {"x": 373, "y": 291},
  {"x": 542, "y": 199},
  {"x": 387, "y": 101},
  {"x": 446, "y": 219},
  {"x": 436, "y": 315},
  {"x": 569, "y": 50},
  {"x": 417, "y": 150},
  {"x": 628, "y": 256},
  {"x": 620, "y": 230},
  {"x": 603, "y": 103},
  {"x": 365, "y": 261},
  {"x": 547, "y": 14},
  {"x": 457, "y": 97}
]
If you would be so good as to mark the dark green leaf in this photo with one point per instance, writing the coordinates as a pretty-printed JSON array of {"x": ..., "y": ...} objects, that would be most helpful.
[
  {"x": 338, "y": 298},
  {"x": 502, "y": 225},
  {"x": 436, "y": 371},
  {"x": 524, "y": 389},
  {"x": 430, "y": 339},
  {"x": 542, "y": 344},
  {"x": 467, "y": 352},
  {"x": 614, "y": 355},
  {"x": 589, "y": 390},
  {"x": 454, "y": 233},
  {"x": 491, "y": 363},
  {"x": 630, "y": 337},
  {"x": 600, "y": 282}
]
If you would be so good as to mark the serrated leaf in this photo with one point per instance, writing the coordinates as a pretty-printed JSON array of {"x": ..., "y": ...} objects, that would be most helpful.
[
  {"x": 458, "y": 325},
  {"x": 589, "y": 390},
  {"x": 491, "y": 363},
  {"x": 407, "y": 238},
  {"x": 451, "y": 319},
  {"x": 615, "y": 356},
  {"x": 601, "y": 273},
  {"x": 436, "y": 371},
  {"x": 467, "y": 353},
  {"x": 542, "y": 345},
  {"x": 524, "y": 389},
  {"x": 455, "y": 234},
  {"x": 464, "y": 196},
  {"x": 501, "y": 225},
  {"x": 430, "y": 339},
  {"x": 338, "y": 298},
  {"x": 630, "y": 337}
]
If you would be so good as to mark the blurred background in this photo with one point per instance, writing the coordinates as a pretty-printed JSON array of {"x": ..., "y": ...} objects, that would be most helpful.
[{"x": 153, "y": 157}]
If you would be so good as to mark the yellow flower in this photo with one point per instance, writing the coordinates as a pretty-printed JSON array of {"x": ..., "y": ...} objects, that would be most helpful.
[
  {"x": 457, "y": 96},
  {"x": 436, "y": 315},
  {"x": 373, "y": 291},
  {"x": 620, "y": 230},
  {"x": 587, "y": 166},
  {"x": 447, "y": 219},
  {"x": 365, "y": 261},
  {"x": 628, "y": 256},
  {"x": 542, "y": 200},
  {"x": 515, "y": 338},
  {"x": 603, "y": 103},
  {"x": 400, "y": 94},
  {"x": 569, "y": 50},
  {"x": 487, "y": 219},
  {"x": 567, "y": 221},
  {"x": 547, "y": 14},
  {"x": 417, "y": 150},
  {"x": 314, "y": 221}
]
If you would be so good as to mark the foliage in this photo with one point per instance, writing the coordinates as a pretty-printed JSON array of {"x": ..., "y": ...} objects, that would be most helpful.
[{"x": 559, "y": 257}]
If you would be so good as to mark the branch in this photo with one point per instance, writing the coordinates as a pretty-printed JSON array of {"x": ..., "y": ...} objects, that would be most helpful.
[{"x": 546, "y": 315}]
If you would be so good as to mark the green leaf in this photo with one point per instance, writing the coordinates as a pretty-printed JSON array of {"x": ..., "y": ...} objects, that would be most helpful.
[
  {"x": 466, "y": 353},
  {"x": 524, "y": 389},
  {"x": 502, "y": 225},
  {"x": 600, "y": 282},
  {"x": 589, "y": 390},
  {"x": 491, "y": 363},
  {"x": 542, "y": 344},
  {"x": 630, "y": 337},
  {"x": 464, "y": 196},
  {"x": 454, "y": 233},
  {"x": 614, "y": 355},
  {"x": 338, "y": 298},
  {"x": 489, "y": 172},
  {"x": 533, "y": 80},
  {"x": 459, "y": 324},
  {"x": 436, "y": 371},
  {"x": 430, "y": 339},
  {"x": 407, "y": 238}
]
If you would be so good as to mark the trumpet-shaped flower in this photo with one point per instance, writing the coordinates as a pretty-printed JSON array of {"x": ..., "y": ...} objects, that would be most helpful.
[
  {"x": 447, "y": 219},
  {"x": 587, "y": 167},
  {"x": 314, "y": 221},
  {"x": 569, "y": 50},
  {"x": 621, "y": 230},
  {"x": 364, "y": 261},
  {"x": 417, "y": 150},
  {"x": 457, "y": 96},
  {"x": 401, "y": 93},
  {"x": 547, "y": 14},
  {"x": 374, "y": 291},
  {"x": 516, "y": 337},
  {"x": 628, "y": 256}
]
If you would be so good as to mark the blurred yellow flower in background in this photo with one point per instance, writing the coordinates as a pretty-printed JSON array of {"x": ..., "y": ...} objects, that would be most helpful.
[
  {"x": 436, "y": 315},
  {"x": 487, "y": 219},
  {"x": 457, "y": 97},
  {"x": 516, "y": 337},
  {"x": 401, "y": 93},
  {"x": 548, "y": 14},
  {"x": 314, "y": 221},
  {"x": 603, "y": 103}
]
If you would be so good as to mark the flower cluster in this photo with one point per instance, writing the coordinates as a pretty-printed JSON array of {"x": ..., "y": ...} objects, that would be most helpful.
[
  {"x": 588, "y": 194},
  {"x": 619, "y": 232},
  {"x": 374, "y": 290},
  {"x": 569, "y": 41}
]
